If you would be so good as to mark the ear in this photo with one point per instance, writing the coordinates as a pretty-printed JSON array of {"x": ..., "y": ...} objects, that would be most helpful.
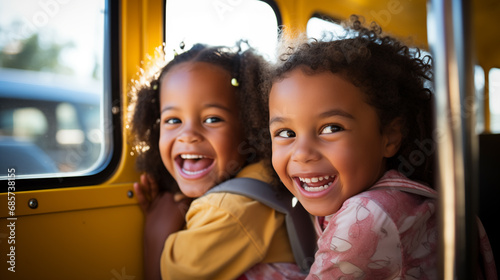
[{"x": 393, "y": 136}]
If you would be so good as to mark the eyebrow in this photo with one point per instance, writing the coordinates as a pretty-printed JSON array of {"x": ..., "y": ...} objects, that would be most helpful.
[
  {"x": 210, "y": 105},
  {"x": 330, "y": 113},
  {"x": 219, "y": 106},
  {"x": 167, "y": 108},
  {"x": 276, "y": 120},
  {"x": 336, "y": 112}
]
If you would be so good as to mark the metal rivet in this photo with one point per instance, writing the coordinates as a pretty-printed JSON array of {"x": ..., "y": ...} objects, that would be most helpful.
[
  {"x": 33, "y": 203},
  {"x": 130, "y": 194}
]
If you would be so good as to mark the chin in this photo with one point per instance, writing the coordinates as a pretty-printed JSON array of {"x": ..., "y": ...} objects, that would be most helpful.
[
  {"x": 192, "y": 191},
  {"x": 316, "y": 211}
]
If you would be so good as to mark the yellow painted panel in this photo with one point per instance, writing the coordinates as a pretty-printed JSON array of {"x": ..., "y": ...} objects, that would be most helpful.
[
  {"x": 402, "y": 18},
  {"x": 91, "y": 244},
  {"x": 68, "y": 199}
]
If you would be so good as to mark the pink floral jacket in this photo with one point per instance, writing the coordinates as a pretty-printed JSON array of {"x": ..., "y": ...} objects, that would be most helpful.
[{"x": 387, "y": 232}]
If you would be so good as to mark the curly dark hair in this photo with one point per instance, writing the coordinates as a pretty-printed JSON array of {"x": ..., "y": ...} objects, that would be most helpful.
[
  {"x": 247, "y": 67},
  {"x": 393, "y": 77}
]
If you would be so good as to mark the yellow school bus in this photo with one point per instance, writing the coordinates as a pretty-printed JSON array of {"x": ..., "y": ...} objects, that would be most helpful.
[{"x": 67, "y": 67}]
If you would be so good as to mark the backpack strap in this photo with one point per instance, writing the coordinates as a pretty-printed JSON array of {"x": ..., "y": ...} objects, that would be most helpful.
[{"x": 298, "y": 221}]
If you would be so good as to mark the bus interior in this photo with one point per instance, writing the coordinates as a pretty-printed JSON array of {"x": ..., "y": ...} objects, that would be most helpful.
[{"x": 67, "y": 70}]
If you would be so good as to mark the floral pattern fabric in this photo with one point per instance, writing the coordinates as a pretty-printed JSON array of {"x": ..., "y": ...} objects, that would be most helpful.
[
  {"x": 387, "y": 232},
  {"x": 275, "y": 271}
]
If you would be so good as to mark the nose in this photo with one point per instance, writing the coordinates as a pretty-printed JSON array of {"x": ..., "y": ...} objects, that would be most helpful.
[
  {"x": 305, "y": 150},
  {"x": 190, "y": 133}
]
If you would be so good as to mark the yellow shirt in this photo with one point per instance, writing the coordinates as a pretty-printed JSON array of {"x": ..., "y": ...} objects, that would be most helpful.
[{"x": 226, "y": 234}]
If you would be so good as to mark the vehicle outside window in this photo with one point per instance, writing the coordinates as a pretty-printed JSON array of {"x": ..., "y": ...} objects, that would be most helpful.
[
  {"x": 57, "y": 118},
  {"x": 52, "y": 93}
]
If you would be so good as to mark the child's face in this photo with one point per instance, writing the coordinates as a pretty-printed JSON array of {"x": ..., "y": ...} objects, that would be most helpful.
[
  {"x": 327, "y": 144},
  {"x": 200, "y": 129}
]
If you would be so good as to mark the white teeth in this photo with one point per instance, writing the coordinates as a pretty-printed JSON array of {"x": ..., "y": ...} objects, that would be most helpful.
[
  {"x": 306, "y": 181},
  {"x": 190, "y": 156},
  {"x": 317, "y": 189},
  {"x": 314, "y": 179}
]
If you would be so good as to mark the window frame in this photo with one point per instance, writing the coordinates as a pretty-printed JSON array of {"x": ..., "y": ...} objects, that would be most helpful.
[{"x": 111, "y": 117}]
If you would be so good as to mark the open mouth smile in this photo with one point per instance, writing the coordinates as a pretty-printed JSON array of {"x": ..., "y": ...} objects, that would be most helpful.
[
  {"x": 194, "y": 166},
  {"x": 315, "y": 184}
]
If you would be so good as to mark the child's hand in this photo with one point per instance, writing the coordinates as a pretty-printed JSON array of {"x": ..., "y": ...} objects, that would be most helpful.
[
  {"x": 147, "y": 190},
  {"x": 164, "y": 214}
]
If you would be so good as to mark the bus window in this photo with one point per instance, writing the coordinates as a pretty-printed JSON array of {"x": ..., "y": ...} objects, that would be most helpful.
[
  {"x": 319, "y": 28},
  {"x": 52, "y": 85},
  {"x": 494, "y": 90},
  {"x": 221, "y": 22},
  {"x": 479, "y": 99}
]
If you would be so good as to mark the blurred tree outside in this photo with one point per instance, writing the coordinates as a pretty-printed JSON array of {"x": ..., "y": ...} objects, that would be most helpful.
[{"x": 31, "y": 54}]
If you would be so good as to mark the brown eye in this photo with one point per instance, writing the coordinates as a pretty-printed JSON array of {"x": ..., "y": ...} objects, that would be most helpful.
[
  {"x": 285, "y": 133},
  {"x": 172, "y": 121},
  {"x": 331, "y": 128},
  {"x": 213, "y": 120}
]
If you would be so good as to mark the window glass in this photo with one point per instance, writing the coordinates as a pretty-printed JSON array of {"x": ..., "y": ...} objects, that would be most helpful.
[
  {"x": 220, "y": 22},
  {"x": 28, "y": 123},
  {"x": 494, "y": 90},
  {"x": 319, "y": 28},
  {"x": 479, "y": 98},
  {"x": 51, "y": 87}
]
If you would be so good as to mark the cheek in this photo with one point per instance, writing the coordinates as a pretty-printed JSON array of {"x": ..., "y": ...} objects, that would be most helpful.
[
  {"x": 230, "y": 158},
  {"x": 164, "y": 144},
  {"x": 226, "y": 144},
  {"x": 368, "y": 151},
  {"x": 344, "y": 156},
  {"x": 230, "y": 139},
  {"x": 279, "y": 161}
]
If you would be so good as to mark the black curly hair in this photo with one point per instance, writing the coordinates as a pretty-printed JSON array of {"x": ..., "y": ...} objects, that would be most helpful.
[
  {"x": 246, "y": 66},
  {"x": 393, "y": 77}
]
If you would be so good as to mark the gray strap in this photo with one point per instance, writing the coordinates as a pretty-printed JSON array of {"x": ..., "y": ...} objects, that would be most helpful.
[
  {"x": 421, "y": 192},
  {"x": 298, "y": 222}
]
